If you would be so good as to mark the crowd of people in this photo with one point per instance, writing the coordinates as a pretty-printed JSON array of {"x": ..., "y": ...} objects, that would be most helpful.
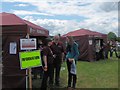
[
  {"x": 52, "y": 54},
  {"x": 105, "y": 50}
]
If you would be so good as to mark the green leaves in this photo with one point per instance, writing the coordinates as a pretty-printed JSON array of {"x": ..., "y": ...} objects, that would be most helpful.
[{"x": 112, "y": 36}]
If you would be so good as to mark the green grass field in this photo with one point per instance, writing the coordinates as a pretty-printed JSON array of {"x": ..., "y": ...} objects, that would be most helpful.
[{"x": 99, "y": 74}]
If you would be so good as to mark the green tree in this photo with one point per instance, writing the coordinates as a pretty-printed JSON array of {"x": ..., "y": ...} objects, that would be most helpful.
[
  {"x": 118, "y": 39},
  {"x": 112, "y": 36}
]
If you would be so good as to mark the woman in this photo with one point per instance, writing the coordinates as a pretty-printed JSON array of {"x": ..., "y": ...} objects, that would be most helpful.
[
  {"x": 71, "y": 57},
  {"x": 47, "y": 63}
]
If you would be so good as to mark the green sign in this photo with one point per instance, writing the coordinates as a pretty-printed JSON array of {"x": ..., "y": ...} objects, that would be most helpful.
[{"x": 30, "y": 59}]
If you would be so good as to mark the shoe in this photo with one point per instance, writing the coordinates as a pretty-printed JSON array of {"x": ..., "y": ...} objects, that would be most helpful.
[
  {"x": 68, "y": 87},
  {"x": 73, "y": 88}
]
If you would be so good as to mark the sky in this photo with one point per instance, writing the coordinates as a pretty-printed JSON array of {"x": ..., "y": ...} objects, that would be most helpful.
[{"x": 63, "y": 16}]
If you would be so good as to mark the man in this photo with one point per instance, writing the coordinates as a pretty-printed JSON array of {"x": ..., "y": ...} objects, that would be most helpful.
[
  {"x": 97, "y": 47},
  {"x": 47, "y": 63},
  {"x": 58, "y": 53},
  {"x": 106, "y": 49}
]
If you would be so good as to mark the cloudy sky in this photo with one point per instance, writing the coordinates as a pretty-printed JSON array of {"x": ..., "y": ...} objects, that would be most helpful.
[{"x": 67, "y": 15}]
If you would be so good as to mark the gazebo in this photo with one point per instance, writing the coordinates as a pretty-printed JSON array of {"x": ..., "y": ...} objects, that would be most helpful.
[
  {"x": 13, "y": 29},
  {"x": 86, "y": 40}
]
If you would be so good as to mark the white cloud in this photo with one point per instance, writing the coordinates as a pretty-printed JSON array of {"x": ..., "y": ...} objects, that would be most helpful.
[
  {"x": 64, "y": 26},
  {"x": 109, "y": 6},
  {"x": 70, "y": 7},
  {"x": 24, "y": 12},
  {"x": 61, "y": 0},
  {"x": 55, "y": 26},
  {"x": 100, "y": 16},
  {"x": 65, "y": 8},
  {"x": 102, "y": 22},
  {"x": 74, "y": 8},
  {"x": 22, "y": 5}
]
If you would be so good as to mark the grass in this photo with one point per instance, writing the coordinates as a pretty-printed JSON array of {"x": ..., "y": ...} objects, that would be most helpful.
[{"x": 99, "y": 74}]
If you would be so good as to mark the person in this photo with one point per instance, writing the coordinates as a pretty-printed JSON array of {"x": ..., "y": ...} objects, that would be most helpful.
[
  {"x": 113, "y": 49},
  {"x": 48, "y": 63},
  {"x": 97, "y": 47},
  {"x": 106, "y": 49},
  {"x": 101, "y": 52},
  {"x": 58, "y": 53},
  {"x": 71, "y": 57}
]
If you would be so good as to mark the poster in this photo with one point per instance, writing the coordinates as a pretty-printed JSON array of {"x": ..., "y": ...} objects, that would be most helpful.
[
  {"x": 28, "y": 44},
  {"x": 30, "y": 59},
  {"x": 13, "y": 48},
  {"x": 90, "y": 42}
]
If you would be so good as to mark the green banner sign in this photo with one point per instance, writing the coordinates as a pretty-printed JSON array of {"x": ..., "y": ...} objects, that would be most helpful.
[{"x": 30, "y": 59}]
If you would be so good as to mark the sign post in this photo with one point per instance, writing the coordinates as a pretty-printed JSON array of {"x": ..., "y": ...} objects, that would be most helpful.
[
  {"x": 29, "y": 71},
  {"x": 30, "y": 78},
  {"x": 28, "y": 60}
]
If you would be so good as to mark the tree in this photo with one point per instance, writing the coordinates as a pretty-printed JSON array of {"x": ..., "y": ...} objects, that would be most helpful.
[
  {"x": 112, "y": 36},
  {"x": 118, "y": 39}
]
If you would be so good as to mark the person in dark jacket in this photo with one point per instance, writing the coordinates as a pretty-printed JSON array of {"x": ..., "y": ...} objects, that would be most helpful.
[
  {"x": 58, "y": 53},
  {"x": 97, "y": 48},
  {"x": 48, "y": 63},
  {"x": 71, "y": 57}
]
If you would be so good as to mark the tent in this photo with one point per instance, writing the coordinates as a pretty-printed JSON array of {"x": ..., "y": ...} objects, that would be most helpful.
[
  {"x": 86, "y": 41},
  {"x": 13, "y": 29}
]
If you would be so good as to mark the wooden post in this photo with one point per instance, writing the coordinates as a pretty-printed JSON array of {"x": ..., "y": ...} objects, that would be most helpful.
[
  {"x": 30, "y": 78},
  {"x": 29, "y": 71},
  {"x": 26, "y": 79}
]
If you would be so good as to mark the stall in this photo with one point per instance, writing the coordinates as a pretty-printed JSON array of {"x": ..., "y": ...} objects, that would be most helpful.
[
  {"x": 86, "y": 41},
  {"x": 13, "y": 29}
]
